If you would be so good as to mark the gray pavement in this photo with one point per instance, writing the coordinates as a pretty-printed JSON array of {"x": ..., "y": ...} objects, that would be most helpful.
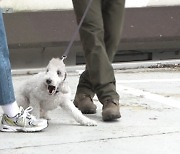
[{"x": 150, "y": 123}]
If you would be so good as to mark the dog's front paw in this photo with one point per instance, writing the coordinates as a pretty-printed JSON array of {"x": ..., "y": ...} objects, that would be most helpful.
[
  {"x": 90, "y": 123},
  {"x": 47, "y": 117}
]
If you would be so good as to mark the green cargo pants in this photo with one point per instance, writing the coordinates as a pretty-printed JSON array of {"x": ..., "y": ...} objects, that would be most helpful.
[{"x": 100, "y": 35}]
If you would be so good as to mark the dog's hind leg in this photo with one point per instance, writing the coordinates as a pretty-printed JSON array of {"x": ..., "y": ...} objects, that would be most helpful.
[{"x": 76, "y": 113}]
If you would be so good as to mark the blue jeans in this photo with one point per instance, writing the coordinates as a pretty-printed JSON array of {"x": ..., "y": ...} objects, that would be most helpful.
[{"x": 6, "y": 86}]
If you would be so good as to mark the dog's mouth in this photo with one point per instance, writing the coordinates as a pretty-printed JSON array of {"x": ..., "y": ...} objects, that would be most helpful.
[{"x": 51, "y": 89}]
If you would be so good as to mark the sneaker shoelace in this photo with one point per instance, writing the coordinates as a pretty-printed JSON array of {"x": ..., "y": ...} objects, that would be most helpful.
[{"x": 27, "y": 117}]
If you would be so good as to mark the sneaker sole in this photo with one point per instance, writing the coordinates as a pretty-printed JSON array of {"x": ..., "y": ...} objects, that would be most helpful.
[{"x": 6, "y": 128}]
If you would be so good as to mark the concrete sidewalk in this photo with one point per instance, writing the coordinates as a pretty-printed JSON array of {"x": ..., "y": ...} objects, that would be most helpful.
[{"x": 150, "y": 123}]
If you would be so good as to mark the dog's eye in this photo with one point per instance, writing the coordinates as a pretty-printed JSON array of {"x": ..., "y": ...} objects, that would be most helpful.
[
  {"x": 58, "y": 73},
  {"x": 47, "y": 70}
]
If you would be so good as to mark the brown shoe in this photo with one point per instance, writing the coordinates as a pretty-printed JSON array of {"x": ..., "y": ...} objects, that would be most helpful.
[
  {"x": 85, "y": 104},
  {"x": 110, "y": 110}
]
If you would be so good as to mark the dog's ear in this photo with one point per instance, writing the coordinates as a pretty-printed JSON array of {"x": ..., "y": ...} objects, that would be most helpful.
[{"x": 65, "y": 75}]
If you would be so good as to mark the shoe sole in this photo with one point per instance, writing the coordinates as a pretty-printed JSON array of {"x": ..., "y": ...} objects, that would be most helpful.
[
  {"x": 6, "y": 128},
  {"x": 111, "y": 117},
  {"x": 89, "y": 111}
]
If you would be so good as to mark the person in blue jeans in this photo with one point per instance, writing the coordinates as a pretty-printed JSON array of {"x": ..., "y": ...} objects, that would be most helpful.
[{"x": 15, "y": 118}]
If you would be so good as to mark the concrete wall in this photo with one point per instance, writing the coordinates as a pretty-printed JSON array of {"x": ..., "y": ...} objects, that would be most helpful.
[
  {"x": 39, "y": 5},
  {"x": 35, "y": 37}
]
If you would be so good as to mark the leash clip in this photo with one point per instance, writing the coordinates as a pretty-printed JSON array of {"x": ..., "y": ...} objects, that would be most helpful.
[{"x": 63, "y": 57}]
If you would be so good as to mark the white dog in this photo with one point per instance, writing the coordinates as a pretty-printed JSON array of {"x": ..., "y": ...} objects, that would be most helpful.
[{"x": 47, "y": 90}]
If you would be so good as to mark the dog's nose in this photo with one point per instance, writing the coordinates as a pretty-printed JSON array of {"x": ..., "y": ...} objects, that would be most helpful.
[{"x": 48, "y": 81}]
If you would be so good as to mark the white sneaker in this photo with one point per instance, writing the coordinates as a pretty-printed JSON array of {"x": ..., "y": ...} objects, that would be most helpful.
[{"x": 22, "y": 122}]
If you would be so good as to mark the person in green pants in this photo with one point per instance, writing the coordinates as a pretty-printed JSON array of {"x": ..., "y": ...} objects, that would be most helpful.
[{"x": 100, "y": 34}]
